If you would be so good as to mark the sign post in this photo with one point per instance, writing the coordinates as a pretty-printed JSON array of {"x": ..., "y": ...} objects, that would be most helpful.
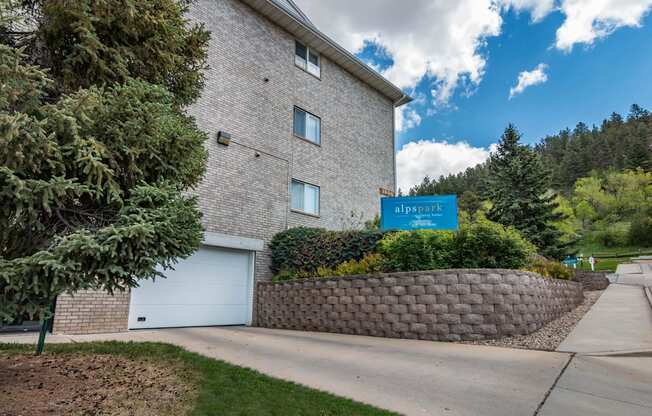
[{"x": 437, "y": 212}]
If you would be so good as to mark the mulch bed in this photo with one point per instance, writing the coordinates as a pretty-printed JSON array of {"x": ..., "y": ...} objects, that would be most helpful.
[
  {"x": 551, "y": 335},
  {"x": 79, "y": 384}
]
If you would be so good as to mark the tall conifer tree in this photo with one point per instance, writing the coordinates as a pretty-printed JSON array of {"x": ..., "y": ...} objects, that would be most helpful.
[
  {"x": 96, "y": 153},
  {"x": 518, "y": 187}
]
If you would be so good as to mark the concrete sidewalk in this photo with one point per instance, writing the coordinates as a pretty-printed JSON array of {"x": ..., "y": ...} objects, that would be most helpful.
[
  {"x": 636, "y": 274},
  {"x": 603, "y": 386},
  {"x": 410, "y": 377},
  {"x": 620, "y": 321},
  {"x": 612, "y": 371}
]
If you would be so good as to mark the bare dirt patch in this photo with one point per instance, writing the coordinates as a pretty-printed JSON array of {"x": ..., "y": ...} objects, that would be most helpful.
[
  {"x": 552, "y": 334},
  {"x": 79, "y": 384}
]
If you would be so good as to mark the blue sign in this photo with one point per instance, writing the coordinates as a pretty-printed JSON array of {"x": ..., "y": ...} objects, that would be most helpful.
[
  {"x": 438, "y": 212},
  {"x": 571, "y": 261}
]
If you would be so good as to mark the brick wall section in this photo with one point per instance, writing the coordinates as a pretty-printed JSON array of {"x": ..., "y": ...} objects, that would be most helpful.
[
  {"x": 247, "y": 195},
  {"x": 91, "y": 312},
  {"x": 447, "y": 305}
]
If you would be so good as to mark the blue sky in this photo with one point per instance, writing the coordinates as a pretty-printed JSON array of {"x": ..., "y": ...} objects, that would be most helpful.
[
  {"x": 587, "y": 84},
  {"x": 562, "y": 62}
]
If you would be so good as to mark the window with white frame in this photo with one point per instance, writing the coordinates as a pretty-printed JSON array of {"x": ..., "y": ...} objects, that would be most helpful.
[
  {"x": 307, "y": 126},
  {"x": 307, "y": 59},
  {"x": 304, "y": 197}
]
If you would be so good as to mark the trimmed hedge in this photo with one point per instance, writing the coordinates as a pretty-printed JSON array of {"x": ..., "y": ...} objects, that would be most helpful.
[{"x": 304, "y": 250}]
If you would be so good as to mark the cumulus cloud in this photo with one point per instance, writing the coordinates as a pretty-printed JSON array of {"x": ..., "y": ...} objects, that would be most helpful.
[
  {"x": 406, "y": 118},
  {"x": 588, "y": 20},
  {"x": 585, "y": 20},
  {"x": 529, "y": 78},
  {"x": 537, "y": 8},
  {"x": 436, "y": 40},
  {"x": 439, "y": 43},
  {"x": 417, "y": 160}
]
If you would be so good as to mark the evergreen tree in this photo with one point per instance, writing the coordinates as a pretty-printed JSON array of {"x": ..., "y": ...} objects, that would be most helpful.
[
  {"x": 96, "y": 154},
  {"x": 518, "y": 188}
]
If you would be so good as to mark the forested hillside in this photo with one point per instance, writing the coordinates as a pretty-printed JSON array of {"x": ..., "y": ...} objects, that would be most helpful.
[
  {"x": 594, "y": 186},
  {"x": 618, "y": 143}
]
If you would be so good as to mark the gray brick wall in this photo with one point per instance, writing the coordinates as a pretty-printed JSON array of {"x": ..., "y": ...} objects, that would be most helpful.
[
  {"x": 91, "y": 312},
  {"x": 248, "y": 196},
  {"x": 444, "y": 305}
]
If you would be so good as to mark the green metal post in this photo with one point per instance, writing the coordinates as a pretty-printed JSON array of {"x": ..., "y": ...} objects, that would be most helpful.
[{"x": 45, "y": 325}]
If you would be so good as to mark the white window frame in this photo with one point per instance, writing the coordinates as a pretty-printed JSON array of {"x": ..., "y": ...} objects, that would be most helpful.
[
  {"x": 303, "y": 134},
  {"x": 301, "y": 209},
  {"x": 304, "y": 63}
]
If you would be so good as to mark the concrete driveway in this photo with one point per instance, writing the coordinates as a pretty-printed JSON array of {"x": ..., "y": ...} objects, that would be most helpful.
[{"x": 410, "y": 377}]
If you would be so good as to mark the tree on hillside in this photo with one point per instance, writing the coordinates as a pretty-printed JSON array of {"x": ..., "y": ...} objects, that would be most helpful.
[
  {"x": 617, "y": 144},
  {"x": 95, "y": 152},
  {"x": 518, "y": 187}
]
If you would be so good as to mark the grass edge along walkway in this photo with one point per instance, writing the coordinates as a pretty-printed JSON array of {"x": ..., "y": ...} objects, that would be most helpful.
[{"x": 222, "y": 389}]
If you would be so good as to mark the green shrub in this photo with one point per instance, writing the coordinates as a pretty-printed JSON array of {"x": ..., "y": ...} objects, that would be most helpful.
[
  {"x": 551, "y": 269},
  {"x": 284, "y": 276},
  {"x": 304, "y": 250},
  {"x": 416, "y": 250},
  {"x": 369, "y": 264},
  {"x": 486, "y": 244},
  {"x": 613, "y": 235},
  {"x": 311, "y": 252},
  {"x": 640, "y": 232}
]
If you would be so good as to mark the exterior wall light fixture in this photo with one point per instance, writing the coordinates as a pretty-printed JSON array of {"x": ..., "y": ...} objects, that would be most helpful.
[{"x": 223, "y": 138}]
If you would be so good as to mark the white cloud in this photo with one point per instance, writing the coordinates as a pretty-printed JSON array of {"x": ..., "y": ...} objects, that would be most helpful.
[
  {"x": 439, "y": 40},
  {"x": 417, "y": 160},
  {"x": 538, "y": 8},
  {"x": 588, "y": 20},
  {"x": 440, "y": 43},
  {"x": 528, "y": 79},
  {"x": 585, "y": 20},
  {"x": 406, "y": 118}
]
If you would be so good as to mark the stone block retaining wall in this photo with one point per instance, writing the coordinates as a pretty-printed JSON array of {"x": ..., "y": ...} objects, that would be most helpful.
[
  {"x": 443, "y": 305},
  {"x": 591, "y": 280}
]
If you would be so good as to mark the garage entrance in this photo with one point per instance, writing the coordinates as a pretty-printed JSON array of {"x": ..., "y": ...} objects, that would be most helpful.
[{"x": 212, "y": 287}]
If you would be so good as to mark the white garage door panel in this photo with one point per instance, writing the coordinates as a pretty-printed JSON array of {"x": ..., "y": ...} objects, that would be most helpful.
[
  {"x": 191, "y": 315},
  {"x": 212, "y": 287},
  {"x": 194, "y": 295}
]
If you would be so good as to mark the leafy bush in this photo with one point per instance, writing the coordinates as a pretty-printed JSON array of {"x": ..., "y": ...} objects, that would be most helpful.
[
  {"x": 551, "y": 269},
  {"x": 284, "y": 276},
  {"x": 304, "y": 250},
  {"x": 486, "y": 244},
  {"x": 640, "y": 232},
  {"x": 417, "y": 250},
  {"x": 369, "y": 264},
  {"x": 311, "y": 252},
  {"x": 613, "y": 235}
]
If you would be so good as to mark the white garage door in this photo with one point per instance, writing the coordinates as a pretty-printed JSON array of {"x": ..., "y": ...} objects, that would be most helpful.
[{"x": 212, "y": 287}]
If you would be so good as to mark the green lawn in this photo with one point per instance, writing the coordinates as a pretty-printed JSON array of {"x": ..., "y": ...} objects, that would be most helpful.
[
  {"x": 610, "y": 257},
  {"x": 223, "y": 389}
]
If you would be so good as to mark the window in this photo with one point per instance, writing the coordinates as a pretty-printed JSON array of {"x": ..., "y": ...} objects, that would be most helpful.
[
  {"x": 304, "y": 197},
  {"x": 307, "y": 59},
  {"x": 307, "y": 126}
]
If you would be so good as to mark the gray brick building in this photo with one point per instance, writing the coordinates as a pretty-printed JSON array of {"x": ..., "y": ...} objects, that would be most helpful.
[{"x": 307, "y": 139}]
